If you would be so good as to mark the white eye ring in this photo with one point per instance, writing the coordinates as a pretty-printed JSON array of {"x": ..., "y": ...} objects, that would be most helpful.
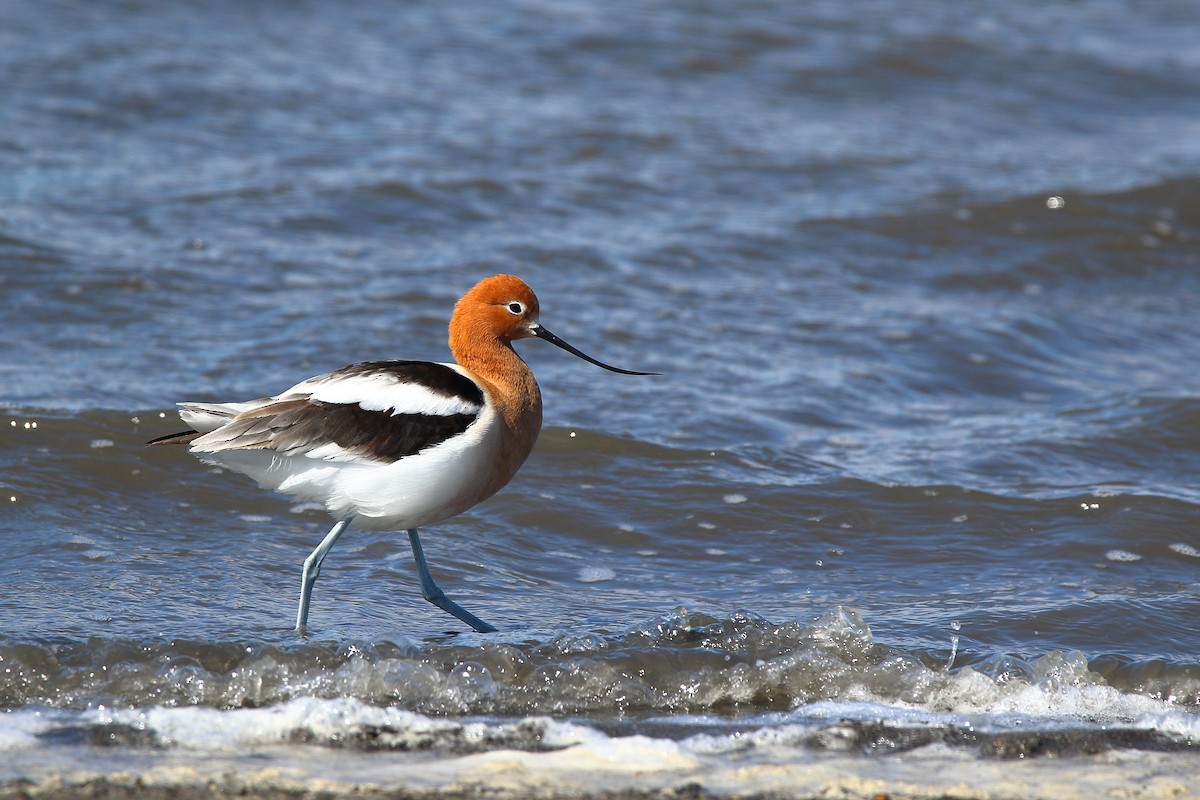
[{"x": 516, "y": 308}]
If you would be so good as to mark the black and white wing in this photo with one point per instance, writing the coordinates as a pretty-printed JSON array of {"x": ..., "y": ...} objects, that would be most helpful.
[{"x": 376, "y": 411}]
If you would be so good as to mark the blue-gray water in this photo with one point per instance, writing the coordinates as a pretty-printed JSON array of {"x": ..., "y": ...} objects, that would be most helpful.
[{"x": 922, "y": 281}]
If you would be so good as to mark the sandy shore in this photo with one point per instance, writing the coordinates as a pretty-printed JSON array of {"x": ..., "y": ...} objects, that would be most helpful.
[{"x": 511, "y": 775}]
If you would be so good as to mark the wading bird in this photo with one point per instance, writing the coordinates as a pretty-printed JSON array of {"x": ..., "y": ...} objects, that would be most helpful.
[{"x": 395, "y": 445}]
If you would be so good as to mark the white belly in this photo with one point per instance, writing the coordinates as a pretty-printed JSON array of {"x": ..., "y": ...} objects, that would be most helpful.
[{"x": 412, "y": 492}]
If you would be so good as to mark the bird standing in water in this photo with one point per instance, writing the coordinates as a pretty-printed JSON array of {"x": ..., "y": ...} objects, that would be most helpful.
[{"x": 392, "y": 445}]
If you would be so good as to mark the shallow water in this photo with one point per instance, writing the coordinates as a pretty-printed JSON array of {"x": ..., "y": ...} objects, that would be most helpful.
[{"x": 919, "y": 476}]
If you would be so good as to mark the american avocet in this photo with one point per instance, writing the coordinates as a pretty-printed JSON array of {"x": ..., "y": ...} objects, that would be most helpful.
[{"x": 395, "y": 445}]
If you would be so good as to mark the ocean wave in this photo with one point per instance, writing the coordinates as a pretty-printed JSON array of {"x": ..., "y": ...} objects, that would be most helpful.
[{"x": 679, "y": 663}]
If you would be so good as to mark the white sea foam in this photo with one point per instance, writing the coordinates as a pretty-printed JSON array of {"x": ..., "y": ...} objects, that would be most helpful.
[
  {"x": 967, "y": 699},
  {"x": 19, "y": 730},
  {"x": 805, "y": 751},
  {"x": 596, "y": 574},
  {"x": 305, "y": 719}
]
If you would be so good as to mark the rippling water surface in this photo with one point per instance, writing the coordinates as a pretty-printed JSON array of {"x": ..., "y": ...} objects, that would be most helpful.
[{"x": 913, "y": 502}]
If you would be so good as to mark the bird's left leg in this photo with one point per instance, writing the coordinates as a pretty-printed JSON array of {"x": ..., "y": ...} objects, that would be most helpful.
[{"x": 433, "y": 593}]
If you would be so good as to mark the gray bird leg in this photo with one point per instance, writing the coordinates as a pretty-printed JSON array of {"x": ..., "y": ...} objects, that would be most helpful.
[
  {"x": 312, "y": 570},
  {"x": 435, "y": 595}
]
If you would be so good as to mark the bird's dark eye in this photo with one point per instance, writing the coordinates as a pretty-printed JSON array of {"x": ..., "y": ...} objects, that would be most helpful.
[{"x": 516, "y": 308}]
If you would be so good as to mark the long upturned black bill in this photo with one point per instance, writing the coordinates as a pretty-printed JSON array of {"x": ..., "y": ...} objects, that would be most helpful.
[{"x": 541, "y": 333}]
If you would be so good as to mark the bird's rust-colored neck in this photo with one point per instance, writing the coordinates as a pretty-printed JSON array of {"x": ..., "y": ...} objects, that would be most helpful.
[{"x": 482, "y": 330}]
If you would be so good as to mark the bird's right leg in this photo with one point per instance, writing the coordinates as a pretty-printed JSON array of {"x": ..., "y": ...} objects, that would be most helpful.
[{"x": 312, "y": 570}]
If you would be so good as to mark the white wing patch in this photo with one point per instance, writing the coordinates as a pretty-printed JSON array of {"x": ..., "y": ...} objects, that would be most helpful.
[{"x": 381, "y": 391}]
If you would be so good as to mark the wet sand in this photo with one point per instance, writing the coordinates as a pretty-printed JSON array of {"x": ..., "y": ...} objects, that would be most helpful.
[{"x": 502, "y": 775}]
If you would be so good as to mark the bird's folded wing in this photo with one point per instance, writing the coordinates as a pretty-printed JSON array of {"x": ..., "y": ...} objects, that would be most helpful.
[{"x": 371, "y": 412}]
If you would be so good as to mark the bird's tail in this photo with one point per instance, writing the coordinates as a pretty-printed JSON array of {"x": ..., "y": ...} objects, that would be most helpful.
[
  {"x": 204, "y": 417},
  {"x": 184, "y": 437}
]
